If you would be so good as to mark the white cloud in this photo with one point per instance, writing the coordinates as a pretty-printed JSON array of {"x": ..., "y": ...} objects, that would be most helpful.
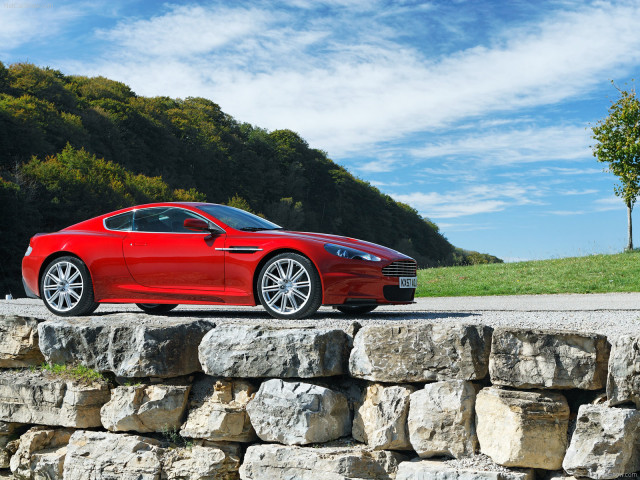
[
  {"x": 568, "y": 212},
  {"x": 348, "y": 93},
  {"x": 532, "y": 144},
  {"x": 586, "y": 191},
  {"x": 609, "y": 203},
  {"x": 27, "y": 21},
  {"x": 552, "y": 171},
  {"x": 186, "y": 30},
  {"x": 472, "y": 200}
]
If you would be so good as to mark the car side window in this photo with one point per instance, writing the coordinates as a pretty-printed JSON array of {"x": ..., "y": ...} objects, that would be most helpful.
[
  {"x": 162, "y": 219},
  {"x": 120, "y": 222}
]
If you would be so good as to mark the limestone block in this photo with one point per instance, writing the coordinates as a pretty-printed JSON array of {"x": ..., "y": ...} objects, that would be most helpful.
[
  {"x": 218, "y": 411},
  {"x": 41, "y": 398},
  {"x": 521, "y": 428},
  {"x": 40, "y": 454},
  {"x": 262, "y": 351},
  {"x": 296, "y": 413},
  {"x": 543, "y": 359},
  {"x": 112, "y": 456},
  {"x": 433, "y": 470},
  {"x": 623, "y": 382},
  {"x": 202, "y": 461},
  {"x": 128, "y": 345},
  {"x": 19, "y": 342},
  {"x": 442, "y": 420},
  {"x": 605, "y": 443},
  {"x": 145, "y": 408},
  {"x": 420, "y": 352},
  {"x": 357, "y": 462},
  {"x": 380, "y": 418}
]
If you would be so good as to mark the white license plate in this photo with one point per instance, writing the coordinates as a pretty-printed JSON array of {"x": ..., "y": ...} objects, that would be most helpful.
[{"x": 408, "y": 282}]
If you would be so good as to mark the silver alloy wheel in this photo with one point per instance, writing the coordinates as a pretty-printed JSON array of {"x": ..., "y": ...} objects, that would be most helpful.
[
  {"x": 286, "y": 286},
  {"x": 63, "y": 285}
]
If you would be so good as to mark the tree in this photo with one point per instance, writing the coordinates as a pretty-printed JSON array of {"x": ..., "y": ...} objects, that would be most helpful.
[{"x": 618, "y": 144}]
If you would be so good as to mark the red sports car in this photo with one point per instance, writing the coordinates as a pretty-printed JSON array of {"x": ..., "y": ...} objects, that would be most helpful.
[{"x": 163, "y": 254}]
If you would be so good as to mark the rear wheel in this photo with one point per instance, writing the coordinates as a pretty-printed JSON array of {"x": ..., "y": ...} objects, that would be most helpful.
[
  {"x": 356, "y": 309},
  {"x": 289, "y": 286},
  {"x": 156, "y": 308},
  {"x": 66, "y": 287}
]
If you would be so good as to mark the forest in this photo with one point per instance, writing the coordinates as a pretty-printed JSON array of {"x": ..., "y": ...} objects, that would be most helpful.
[{"x": 73, "y": 147}]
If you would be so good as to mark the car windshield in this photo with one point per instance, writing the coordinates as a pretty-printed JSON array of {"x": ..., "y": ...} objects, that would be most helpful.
[{"x": 239, "y": 219}]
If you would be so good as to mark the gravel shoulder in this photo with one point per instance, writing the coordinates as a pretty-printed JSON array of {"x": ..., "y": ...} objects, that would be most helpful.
[{"x": 610, "y": 314}]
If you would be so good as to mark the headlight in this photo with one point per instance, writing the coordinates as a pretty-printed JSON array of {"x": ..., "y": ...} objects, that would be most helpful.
[
  {"x": 350, "y": 253},
  {"x": 28, "y": 252}
]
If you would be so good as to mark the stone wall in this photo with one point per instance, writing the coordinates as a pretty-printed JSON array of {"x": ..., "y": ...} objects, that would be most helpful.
[{"x": 195, "y": 400}]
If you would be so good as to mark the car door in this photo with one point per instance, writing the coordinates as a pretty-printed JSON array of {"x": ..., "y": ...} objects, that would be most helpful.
[{"x": 161, "y": 253}]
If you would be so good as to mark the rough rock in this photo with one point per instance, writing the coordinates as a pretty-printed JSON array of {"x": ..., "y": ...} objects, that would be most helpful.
[
  {"x": 296, "y": 413},
  {"x": 380, "y": 419},
  {"x": 546, "y": 359},
  {"x": 41, "y": 454},
  {"x": 262, "y": 351},
  {"x": 218, "y": 411},
  {"x": 145, "y": 408},
  {"x": 623, "y": 382},
  {"x": 128, "y": 345},
  {"x": 7, "y": 432},
  {"x": 561, "y": 475},
  {"x": 40, "y": 398},
  {"x": 202, "y": 461},
  {"x": 19, "y": 342},
  {"x": 355, "y": 462},
  {"x": 433, "y": 470},
  {"x": 442, "y": 421},
  {"x": 421, "y": 352},
  {"x": 605, "y": 443},
  {"x": 112, "y": 456},
  {"x": 521, "y": 428}
]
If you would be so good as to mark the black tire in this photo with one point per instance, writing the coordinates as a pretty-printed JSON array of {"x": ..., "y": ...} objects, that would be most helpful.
[
  {"x": 356, "y": 309},
  {"x": 156, "y": 308},
  {"x": 66, "y": 287},
  {"x": 289, "y": 286}
]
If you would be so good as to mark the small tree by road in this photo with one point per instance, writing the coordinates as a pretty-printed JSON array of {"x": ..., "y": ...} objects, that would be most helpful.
[{"x": 618, "y": 144}]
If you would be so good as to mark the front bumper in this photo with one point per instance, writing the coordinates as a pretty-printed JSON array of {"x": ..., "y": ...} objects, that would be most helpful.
[{"x": 362, "y": 284}]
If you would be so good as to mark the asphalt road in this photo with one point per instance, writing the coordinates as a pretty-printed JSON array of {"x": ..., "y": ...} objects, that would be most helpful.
[{"x": 609, "y": 314}]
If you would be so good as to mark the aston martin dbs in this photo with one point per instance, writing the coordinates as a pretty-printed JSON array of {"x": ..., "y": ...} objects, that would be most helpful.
[{"x": 164, "y": 254}]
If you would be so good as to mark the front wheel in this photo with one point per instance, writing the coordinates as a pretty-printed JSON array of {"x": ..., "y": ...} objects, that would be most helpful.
[
  {"x": 156, "y": 308},
  {"x": 356, "y": 309},
  {"x": 289, "y": 287},
  {"x": 66, "y": 287}
]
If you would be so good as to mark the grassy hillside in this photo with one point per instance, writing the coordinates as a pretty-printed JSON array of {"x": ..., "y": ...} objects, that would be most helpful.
[{"x": 592, "y": 274}]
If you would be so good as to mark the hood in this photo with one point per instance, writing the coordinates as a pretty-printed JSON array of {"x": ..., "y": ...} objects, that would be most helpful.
[{"x": 368, "y": 247}]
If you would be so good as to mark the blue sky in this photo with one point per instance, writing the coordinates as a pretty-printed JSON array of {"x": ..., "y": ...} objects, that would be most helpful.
[{"x": 474, "y": 112}]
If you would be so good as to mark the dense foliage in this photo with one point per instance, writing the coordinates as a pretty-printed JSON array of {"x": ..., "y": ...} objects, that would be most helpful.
[{"x": 73, "y": 147}]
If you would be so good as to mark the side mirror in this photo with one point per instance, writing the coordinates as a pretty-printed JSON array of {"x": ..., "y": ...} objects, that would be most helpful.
[{"x": 197, "y": 224}]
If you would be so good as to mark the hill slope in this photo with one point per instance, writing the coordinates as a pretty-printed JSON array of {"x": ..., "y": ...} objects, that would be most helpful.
[
  {"x": 72, "y": 147},
  {"x": 590, "y": 274}
]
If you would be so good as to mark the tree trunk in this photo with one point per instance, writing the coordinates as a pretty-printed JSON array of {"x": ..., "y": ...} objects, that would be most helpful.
[{"x": 630, "y": 232}]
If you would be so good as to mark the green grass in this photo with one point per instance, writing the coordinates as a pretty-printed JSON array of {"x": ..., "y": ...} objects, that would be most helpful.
[
  {"x": 79, "y": 373},
  {"x": 591, "y": 274}
]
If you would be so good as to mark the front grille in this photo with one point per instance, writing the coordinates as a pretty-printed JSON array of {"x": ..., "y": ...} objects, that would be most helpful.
[{"x": 401, "y": 268}]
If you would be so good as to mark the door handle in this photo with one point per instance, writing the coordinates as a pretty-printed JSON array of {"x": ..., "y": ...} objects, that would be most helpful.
[{"x": 136, "y": 244}]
